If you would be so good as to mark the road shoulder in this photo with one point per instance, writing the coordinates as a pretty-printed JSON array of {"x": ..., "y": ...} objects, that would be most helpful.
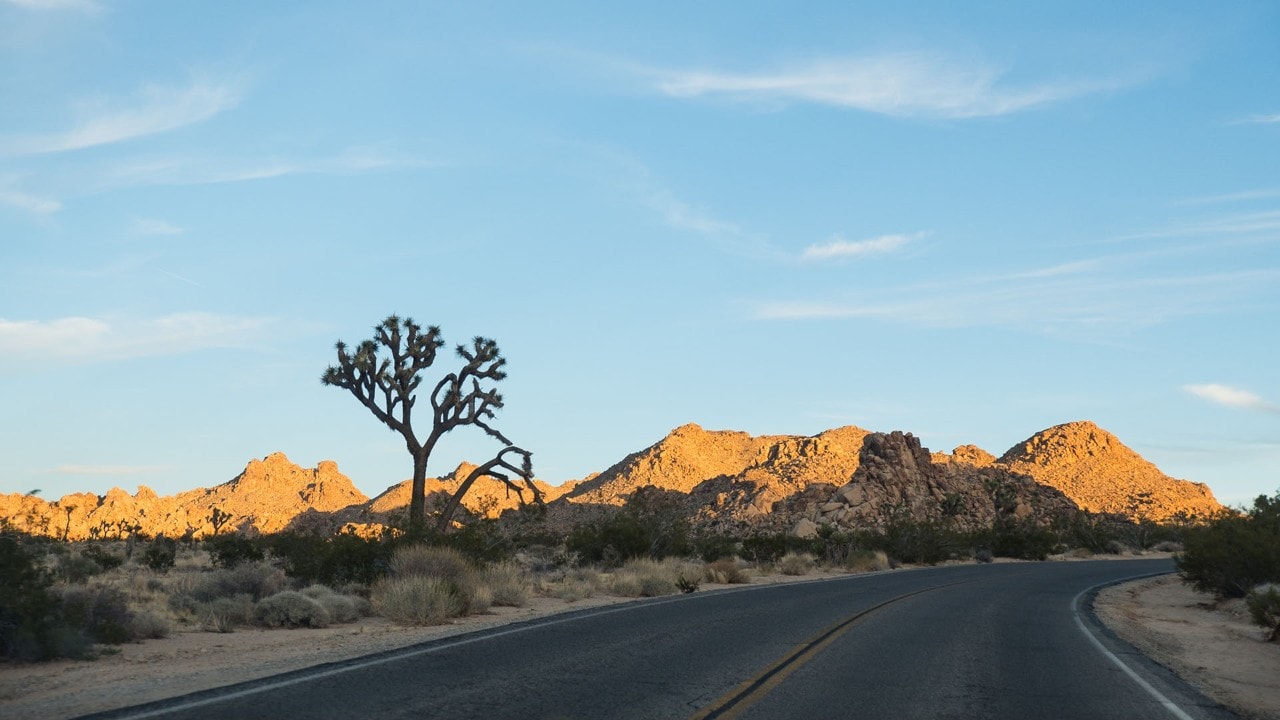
[{"x": 1210, "y": 645}]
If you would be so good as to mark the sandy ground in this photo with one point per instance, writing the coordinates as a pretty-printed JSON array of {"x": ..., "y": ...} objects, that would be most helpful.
[
  {"x": 1213, "y": 646},
  {"x": 1217, "y": 650}
]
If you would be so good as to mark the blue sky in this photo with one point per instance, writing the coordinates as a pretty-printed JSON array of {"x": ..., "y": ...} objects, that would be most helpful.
[{"x": 970, "y": 221}]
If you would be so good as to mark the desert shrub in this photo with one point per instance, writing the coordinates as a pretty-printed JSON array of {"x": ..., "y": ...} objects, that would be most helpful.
[
  {"x": 228, "y": 551},
  {"x": 1169, "y": 546},
  {"x": 225, "y": 614},
  {"x": 714, "y": 547},
  {"x": 101, "y": 613},
  {"x": 255, "y": 579},
  {"x": 652, "y": 524},
  {"x": 148, "y": 624},
  {"x": 796, "y": 563},
  {"x": 76, "y": 569},
  {"x": 609, "y": 542},
  {"x": 1232, "y": 553},
  {"x": 918, "y": 541},
  {"x": 105, "y": 559},
  {"x": 160, "y": 554},
  {"x": 509, "y": 584},
  {"x": 1264, "y": 607},
  {"x": 1115, "y": 547},
  {"x": 769, "y": 548},
  {"x": 1021, "y": 540},
  {"x": 342, "y": 609},
  {"x": 30, "y": 622},
  {"x": 417, "y": 599},
  {"x": 290, "y": 609},
  {"x": 333, "y": 560},
  {"x": 724, "y": 571},
  {"x": 983, "y": 555},
  {"x": 866, "y": 560}
]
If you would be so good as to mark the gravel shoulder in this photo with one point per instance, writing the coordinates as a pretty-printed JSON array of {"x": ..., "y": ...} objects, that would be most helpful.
[{"x": 1213, "y": 646}]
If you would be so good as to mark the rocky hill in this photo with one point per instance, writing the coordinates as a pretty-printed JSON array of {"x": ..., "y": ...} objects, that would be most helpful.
[
  {"x": 724, "y": 480},
  {"x": 1100, "y": 474}
]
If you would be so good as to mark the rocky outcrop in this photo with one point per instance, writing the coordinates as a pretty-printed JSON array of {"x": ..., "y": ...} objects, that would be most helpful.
[
  {"x": 267, "y": 497},
  {"x": 724, "y": 481},
  {"x": 1100, "y": 474}
]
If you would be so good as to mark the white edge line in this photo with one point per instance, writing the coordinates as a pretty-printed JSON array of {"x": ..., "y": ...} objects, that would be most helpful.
[
  {"x": 1168, "y": 704},
  {"x": 474, "y": 636}
]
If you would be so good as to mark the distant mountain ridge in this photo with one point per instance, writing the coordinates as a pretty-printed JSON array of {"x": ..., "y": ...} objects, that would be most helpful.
[{"x": 726, "y": 480}]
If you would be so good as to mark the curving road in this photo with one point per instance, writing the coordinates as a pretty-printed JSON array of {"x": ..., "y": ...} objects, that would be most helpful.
[{"x": 974, "y": 641}]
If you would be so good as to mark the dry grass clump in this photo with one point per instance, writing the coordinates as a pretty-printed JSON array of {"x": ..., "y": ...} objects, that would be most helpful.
[
  {"x": 651, "y": 578},
  {"x": 508, "y": 582},
  {"x": 224, "y": 615},
  {"x": 418, "y": 600},
  {"x": 572, "y": 585},
  {"x": 342, "y": 608},
  {"x": 725, "y": 571},
  {"x": 429, "y": 585},
  {"x": 866, "y": 561},
  {"x": 290, "y": 609},
  {"x": 429, "y": 561},
  {"x": 796, "y": 564}
]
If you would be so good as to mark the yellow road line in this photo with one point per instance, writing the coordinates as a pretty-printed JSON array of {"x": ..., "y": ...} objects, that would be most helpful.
[{"x": 737, "y": 700}]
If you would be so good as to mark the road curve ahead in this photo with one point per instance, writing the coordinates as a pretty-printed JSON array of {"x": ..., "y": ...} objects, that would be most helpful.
[{"x": 973, "y": 641}]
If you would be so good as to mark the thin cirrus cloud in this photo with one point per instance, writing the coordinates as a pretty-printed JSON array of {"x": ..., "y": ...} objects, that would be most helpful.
[
  {"x": 29, "y": 202},
  {"x": 900, "y": 85},
  {"x": 838, "y": 247},
  {"x": 155, "y": 226},
  {"x": 87, "y": 340},
  {"x": 1231, "y": 397},
  {"x": 154, "y": 109}
]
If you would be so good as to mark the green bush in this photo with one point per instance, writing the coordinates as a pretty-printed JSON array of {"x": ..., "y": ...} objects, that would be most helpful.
[
  {"x": 333, "y": 561},
  {"x": 30, "y": 622},
  {"x": 1231, "y": 554},
  {"x": 105, "y": 559},
  {"x": 101, "y": 613},
  {"x": 651, "y": 525},
  {"x": 76, "y": 569},
  {"x": 866, "y": 561},
  {"x": 1264, "y": 607},
  {"x": 769, "y": 548},
  {"x": 342, "y": 608},
  {"x": 160, "y": 554},
  {"x": 228, "y": 551},
  {"x": 290, "y": 609}
]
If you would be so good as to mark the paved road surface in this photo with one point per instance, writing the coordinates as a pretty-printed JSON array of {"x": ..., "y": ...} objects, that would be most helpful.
[{"x": 974, "y": 641}]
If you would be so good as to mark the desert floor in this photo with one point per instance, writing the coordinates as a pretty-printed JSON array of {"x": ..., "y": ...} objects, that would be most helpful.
[{"x": 1214, "y": 647}]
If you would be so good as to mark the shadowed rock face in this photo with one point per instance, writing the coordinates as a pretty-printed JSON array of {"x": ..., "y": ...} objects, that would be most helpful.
[{"x": 726, "y": 480}]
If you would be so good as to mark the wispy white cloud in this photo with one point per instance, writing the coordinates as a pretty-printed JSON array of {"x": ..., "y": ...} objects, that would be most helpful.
[
  {"x": 1263, "y": 119},
  {"x": 1080, "y": 305},
  {"x": 1231, "y": 397},
  {"x": 212, "y": 171},
  {"x": 1243, "y": 196},
  {"x": 109, "y": 470},
  {"x": 83, "y": 339},
  {"x": 154, "y": 109},
  {"x": 901, "y": 84},
  {"x": 679, "y": 214},
  {"x": 155, "y": 226},
  {"x": 29, "y": 202},
  {"x": 1233, "y": 224},
  {"x": 838, "y": 247},
  {"x": 88, "y": 6}
]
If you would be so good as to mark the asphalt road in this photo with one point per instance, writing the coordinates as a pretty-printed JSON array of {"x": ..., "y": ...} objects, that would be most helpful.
[{"x": 974, "y": 641}]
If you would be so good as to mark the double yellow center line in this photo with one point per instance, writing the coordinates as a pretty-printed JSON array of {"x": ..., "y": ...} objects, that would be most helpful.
[{"x": 737, "y": 700}]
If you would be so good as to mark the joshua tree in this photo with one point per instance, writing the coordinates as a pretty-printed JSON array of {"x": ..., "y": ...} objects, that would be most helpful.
[
  {"x": 491, "y": 469},
  {"x": 384, "y": 374}
]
